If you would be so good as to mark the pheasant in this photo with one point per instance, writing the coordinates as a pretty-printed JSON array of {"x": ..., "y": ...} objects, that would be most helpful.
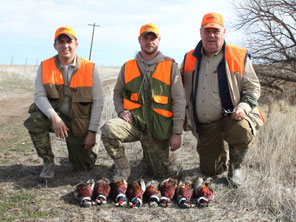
[
  {"x": 152, "y": 193},
  {"x": 135, "y": 192},
  {"x": 83, "y": 193},
  {"x": 184, "y": 193},
  {"x": 118, "y": 190},
  {"x": 203, "y": 192},
  {"x": 101, "y": 191},
  {"x": 167, "y": 189}
]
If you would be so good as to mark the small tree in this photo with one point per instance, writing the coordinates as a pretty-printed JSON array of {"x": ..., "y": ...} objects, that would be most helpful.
[{"x": 271, "y": 28}]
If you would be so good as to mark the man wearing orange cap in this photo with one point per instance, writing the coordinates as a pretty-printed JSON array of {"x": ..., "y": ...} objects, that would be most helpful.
[
  {"x": 222, "y": 92},
  {"x": 149, "y": 100},
  {"x": 68, "y": 101}
]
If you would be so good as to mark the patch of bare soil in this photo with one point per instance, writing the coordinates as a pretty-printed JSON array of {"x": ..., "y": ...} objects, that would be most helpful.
[{"x": 14, "y": 108}]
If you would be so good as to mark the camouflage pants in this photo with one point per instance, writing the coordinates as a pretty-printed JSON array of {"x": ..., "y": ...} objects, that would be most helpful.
[
  {"x": 39, "y": 127},
  {"x": 156, "y": 153},
  {"x": 213, "y": 139}
]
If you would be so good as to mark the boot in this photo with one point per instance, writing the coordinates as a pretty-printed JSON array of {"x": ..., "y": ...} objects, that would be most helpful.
[
  {"x": 42, "y": 145},
  {"x": 236, "y": 157},
  {"x": 48, "y": 169},
  {"x": 122, "y": 168}
]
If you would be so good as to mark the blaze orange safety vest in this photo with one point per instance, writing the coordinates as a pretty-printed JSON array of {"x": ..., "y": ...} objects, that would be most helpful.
[
  {"x": 151, "y": 109},
  {"x": 235, "y": 63},
  {"x": 80, "y": 91}
]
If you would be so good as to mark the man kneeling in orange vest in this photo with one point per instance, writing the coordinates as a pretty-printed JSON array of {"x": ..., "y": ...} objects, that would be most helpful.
[
  {"x": 68, "y": 101},
  {"x": 149, "y": 100}
]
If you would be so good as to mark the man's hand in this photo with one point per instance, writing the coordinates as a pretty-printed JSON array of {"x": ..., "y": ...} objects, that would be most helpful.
[
  {"x": 59, "y": 127},
  {"x": 238, "y": 113},
  {"x": 175, "y": 142},
  {"x": 126, "y": 115},
  {"x": 90, "y": 140}
]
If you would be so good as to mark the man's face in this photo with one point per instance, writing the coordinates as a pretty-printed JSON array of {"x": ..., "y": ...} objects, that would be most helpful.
[
  {"x": 66, "y": 47},
  {"x": 149, "y": 43},
  {"x": 212, "y": 39}
]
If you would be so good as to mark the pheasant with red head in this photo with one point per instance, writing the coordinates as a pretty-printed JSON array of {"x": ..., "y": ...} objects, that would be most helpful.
[
  {"x": 84, "y": 192},
  {"x": 118, "y": 190},
  {"x": 203, "y": 192},
  {"x": 152, "y": 193},
  {"x": 184, "y": 193},
  {"x": 135, "y": 192},
  {"x": 167, "y": 189},
  {"x": 102, "y": 191}
]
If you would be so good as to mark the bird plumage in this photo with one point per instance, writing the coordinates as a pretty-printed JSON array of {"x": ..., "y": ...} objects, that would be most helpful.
[
  {"x": 84, "y": 192},
  {"x": 184, "y": 193},
  {"x": 101, "y": 191},
  {"x": 167, "y": 189},
  {"x": 203, "y": 192},
  {"x": 135, "y": 193},
  {"x": 152, "y": 193},
  {"x": 117, "y": 193}
]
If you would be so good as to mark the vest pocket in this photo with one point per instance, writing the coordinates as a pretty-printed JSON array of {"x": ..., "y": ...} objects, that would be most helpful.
[
  {"x": 129, "y": 105},
  {"x": 162, "y": 118},
  {"x": 81, "y": 108},
  {"x": 80, "y": 115},
  {"x": 162, "y": 126},
  {"x": 79, "y": 125},
  {"x": 161, "y": 99}
]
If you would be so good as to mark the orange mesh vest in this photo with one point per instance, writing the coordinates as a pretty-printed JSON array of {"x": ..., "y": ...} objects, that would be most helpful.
[{"x": 80, "y": 92}]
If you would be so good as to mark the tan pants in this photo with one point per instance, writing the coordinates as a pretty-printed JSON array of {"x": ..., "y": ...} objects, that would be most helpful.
[
  {"x": 213, "y": 139},
  {"x": 117, "y": 131}
]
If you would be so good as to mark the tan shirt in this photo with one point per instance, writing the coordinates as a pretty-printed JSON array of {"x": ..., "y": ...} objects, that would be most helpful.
[{"x": 208, "y": 99}]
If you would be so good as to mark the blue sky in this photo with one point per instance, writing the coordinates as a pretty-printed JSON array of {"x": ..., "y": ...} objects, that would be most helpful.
[{"x": 27, "y": 27}]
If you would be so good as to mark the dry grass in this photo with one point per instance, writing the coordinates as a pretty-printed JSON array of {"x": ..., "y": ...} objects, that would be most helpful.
[{"x": 269, "y": 193}]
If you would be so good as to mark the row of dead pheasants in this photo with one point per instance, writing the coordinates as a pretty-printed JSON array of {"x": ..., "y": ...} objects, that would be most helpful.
[{"x": 186, "y": 193}]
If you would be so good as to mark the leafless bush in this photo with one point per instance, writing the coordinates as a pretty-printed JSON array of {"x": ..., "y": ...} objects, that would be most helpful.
[{"x": 271, "y": 29}]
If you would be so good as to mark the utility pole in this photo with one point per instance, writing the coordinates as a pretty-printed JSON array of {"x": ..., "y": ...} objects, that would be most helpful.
[{"x": 92, "y": 38}]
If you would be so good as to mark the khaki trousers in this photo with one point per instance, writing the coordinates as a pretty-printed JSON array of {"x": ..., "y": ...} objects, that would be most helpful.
[
  {"x": 156, "y": 153},
  {"x": 213, "y": 140}
]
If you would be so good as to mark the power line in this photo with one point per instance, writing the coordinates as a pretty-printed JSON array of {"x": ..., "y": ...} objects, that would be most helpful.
[{"x": 92, "y": 38}]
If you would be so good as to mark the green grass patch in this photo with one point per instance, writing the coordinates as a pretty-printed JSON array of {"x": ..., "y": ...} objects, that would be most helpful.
[
  {"x": 20, "y": 205},
  {"x": 15, "y": 138}
]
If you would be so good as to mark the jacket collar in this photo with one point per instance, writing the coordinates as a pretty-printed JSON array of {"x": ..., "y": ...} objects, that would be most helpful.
[{"x": 197, "y": 51}]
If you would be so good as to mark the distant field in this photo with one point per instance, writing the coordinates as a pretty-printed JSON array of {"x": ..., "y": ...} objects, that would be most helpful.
[{"x": 29, "y": 71}]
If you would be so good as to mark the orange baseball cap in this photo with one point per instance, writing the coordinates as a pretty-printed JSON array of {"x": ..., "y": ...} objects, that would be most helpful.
[
  {"x": 149, "y": 28},
  {"x": 212, "y": 20},
  {"x": 66, "y": 31}
]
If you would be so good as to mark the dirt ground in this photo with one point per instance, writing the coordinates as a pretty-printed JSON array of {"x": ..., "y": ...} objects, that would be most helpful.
[{"x": 14, "y": 108}]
